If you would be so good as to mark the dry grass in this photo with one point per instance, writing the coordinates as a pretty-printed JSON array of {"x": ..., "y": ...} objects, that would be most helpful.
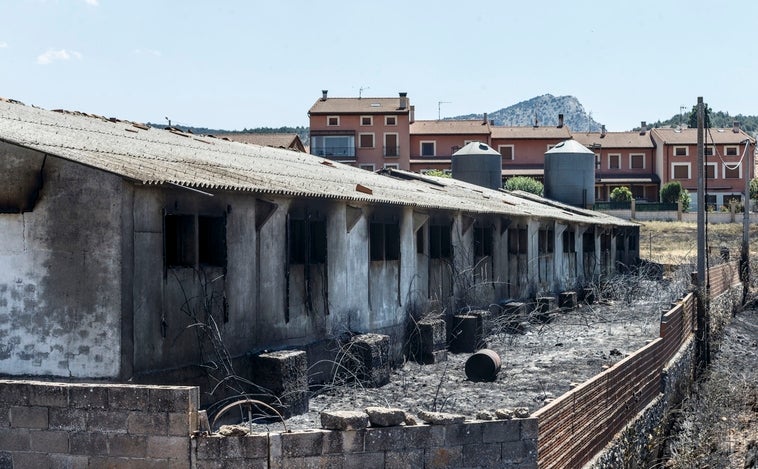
[{"x": 676, "y": 242}]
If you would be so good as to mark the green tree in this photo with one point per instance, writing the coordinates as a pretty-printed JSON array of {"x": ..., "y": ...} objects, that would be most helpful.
[
  {"x": 438, "y": 173},
  {"x": 754, "y": 189},
  {"x": 524, "y": 183},
  {"x": 621, "y": 194},
  {"x": 706, "y": 116},
  {"x": 671, "y": 192}
]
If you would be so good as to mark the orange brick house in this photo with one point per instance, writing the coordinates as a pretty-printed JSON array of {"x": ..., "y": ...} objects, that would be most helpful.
[
  {"x": 726, "y": 159},
  {"x": 371, "y": 133},
  {"x": 623, "y": 159},
  {"x": 523, "y": 148},
  {"x": 433, "y": 142}
]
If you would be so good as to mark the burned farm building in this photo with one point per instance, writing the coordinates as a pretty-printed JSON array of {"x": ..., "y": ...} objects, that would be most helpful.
[{"x": 118, "y": 239}]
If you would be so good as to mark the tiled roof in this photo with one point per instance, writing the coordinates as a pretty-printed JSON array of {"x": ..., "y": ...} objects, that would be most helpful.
[
  {"x": 530, "y": 132},
  {"x": 266, "y": 140},
  {"x": 154, "y": 156},
  {"x": 615, "y": 139},
  {"x": 450, "y": 127},
  {"x": 689, "y": 136},
  {"x": 359, "y": 106}
]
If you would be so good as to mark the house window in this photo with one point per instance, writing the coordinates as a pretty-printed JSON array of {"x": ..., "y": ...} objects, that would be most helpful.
[
  {"x": 179, "y": 240},
  {"x": 384, "y": 241},
  {"x": 546, "y": 241},
  {"x": 333, "y": 121},
  {"x": 597, "y": 160},
  {"x": 366, "y": 140},
  {"x": 637, "y": 161},
  {"x": 367, "y": 120},
  {"x": 482, "y": 241},
  {"x": 638, "y": 192},
  {"x": 711, "y": 201},
  {"x": 186, "y": 247},
  {"x": 440, "y": 242},
  {"x": 517, "y": 241},
  {"x": 333, "y": 145},
  {"x": 367, "y": 167},
  {"x": 680, "y": 170},
  {"x": 306, "y": 239},
  {"x": 506, "y": 151},
  {"x": 731, "y": 150},
  {"x": 391, "y": 166},
  {"x": 420, "y": 241},
  {"x": 710, "y": 171},
  {"x": 391, "y": 147},
  {"x": 569, "y": 241},
  {"x": 614, "y": 161},
  {"x": 709, "y": 150},
  {"x": 390, "y": 120},
  {"x": 681, "y": 151},
  {"x": 428, "y": 148},
  {"x": 732, "y": 171}
]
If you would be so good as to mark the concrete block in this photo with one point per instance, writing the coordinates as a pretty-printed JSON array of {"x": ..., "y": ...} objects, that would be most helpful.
[
  {"x": 45, "y": 441},
  {"x": 170, "y": 399},
  {"x": 302, "y": 443},
  {"x": 106, "y": 421},
  {"x": 68, "y": 461},
  {"x": 481, "y": 455},
  {"x": 48, "y": 395},
  {"x": 372, "y": 352},
  {"x": 88, "y": 397},
  {"x": 429, "y": 341},
  {"x": 567, "y": 299},
  {"x": 133, "y": 446},
  {"x": 331, "y": 461},
  {"x": 67, "y": 419},
  {"x": 31, "y": 460},
  {"x": 343, "y": 420},
  {"x": 208, "y": 447},
  {"x": 13, "y": 394},
  {"x": 168, "y": 447},
  {"x": 384, "y": 439},
  {"x": 87, "y": 443},
  {"x": 518, "y": 451},
  {"x": 443, "y": 457},
  {"x": 424, "y": 436},
  {"x": 588, "y": 295},
  {"x": 440, "y": 418},
  {"x": 467, "y": 333},
  {"x": 144, "y": 423},
  {"x": 29, "y": 417},
  {"x": 285, "y": 374},
  {"x": 346, "y": 442},
  {"x": 544, "y": 309},
  {"x": 464, "y": 433},
  {"x": 123, "y": 397},
  {"x": 500, "y": 431},
  {"x": 385, "y": 416},
  {"x": 404, "y": 459},
  {"x": 363, "y": 461},
  {"x": 115, "y": 462},
  {"x": 6, "y": 459},
  {"x": 14, "y": 440},
  {"x": 180, "y": 424}
]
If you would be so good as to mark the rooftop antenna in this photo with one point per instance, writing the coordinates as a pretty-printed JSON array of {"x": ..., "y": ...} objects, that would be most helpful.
[
  {"x": 681, "y": 113},
  {"x": 439, "y": 108},
  {"x": 360, "y": 90},
  {"x": 169, "y": 121}
]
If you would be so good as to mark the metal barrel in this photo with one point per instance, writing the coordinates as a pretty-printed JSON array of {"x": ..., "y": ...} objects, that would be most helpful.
[{"x": 484, "y": 365}]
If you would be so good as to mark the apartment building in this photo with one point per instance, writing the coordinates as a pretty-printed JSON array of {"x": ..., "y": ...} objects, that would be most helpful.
[
  {"x": 433, "y": 142},
  {"x": 523, "y": 148}
]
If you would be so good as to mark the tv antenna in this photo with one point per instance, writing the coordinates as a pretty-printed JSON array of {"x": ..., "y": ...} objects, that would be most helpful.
[
  {"x": 439, "y": 108},
  {"x": 169, "y": 121},
  {"x": 360, "y": 90},
  {"x": 681, "y": 113}
]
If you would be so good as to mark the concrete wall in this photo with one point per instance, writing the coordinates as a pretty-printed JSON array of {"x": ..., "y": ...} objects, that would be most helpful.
[
  {"x": 61, "y": 271},
  {"x": 46, "y": 424}
]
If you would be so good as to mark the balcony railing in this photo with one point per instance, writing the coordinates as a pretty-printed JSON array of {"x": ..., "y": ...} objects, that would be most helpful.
[
  {"x": 335, "y": 153},
  {"x": 392, "y": 151}
]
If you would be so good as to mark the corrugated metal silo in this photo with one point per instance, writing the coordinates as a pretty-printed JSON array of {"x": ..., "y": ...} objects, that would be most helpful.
[
  {"x": 479, "y": 164},
  {"x": 570, "y": 174}
]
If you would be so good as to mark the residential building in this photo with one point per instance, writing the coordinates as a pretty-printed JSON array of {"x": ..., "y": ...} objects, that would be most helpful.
[
  {"x": 623, "y": 159},
  {"x": 370, "y": 133},
  {"x": 727, "y": 158},
  {"x": 433, "y": 142},
  {"x": 523, "y": 148},
  {"x": 288, "y": 141}
]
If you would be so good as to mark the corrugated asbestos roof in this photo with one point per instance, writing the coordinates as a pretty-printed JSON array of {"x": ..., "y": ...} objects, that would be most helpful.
[{"x": 156, "y": 156}]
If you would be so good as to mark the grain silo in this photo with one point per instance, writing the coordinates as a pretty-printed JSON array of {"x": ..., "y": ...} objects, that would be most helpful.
[
  {"x": 479, "y": 164},
  {"x": 570, "y": 174}
]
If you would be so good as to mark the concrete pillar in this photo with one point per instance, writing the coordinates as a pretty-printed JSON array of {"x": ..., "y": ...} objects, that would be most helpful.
[
  {"x": 532, "y": 235},
  {"x": 559, "y": 267},
  {"x": 579, "y": 241}
]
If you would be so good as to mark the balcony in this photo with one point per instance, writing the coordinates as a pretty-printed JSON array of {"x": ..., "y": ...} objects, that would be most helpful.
[
  {"x": 392, "y": 151},
  {"x": 335, "y": 153}
]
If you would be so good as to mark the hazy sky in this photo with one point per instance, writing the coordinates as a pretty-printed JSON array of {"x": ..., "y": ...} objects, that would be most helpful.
[{"x": 235, "y": 64}]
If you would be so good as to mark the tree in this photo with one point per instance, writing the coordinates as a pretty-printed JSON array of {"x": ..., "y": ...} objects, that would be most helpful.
[
  {"x": 754, "y": 189},
  {"x": 621, "y": 194},
  {"x": 523, "y": 183},
  {"x": 438, "y": 173},
  {"x": 672, "y": 192},
  {"x": 706, "y": 116}
]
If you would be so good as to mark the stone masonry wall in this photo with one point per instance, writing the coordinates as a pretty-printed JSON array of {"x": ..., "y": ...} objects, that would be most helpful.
[{"x": 44, "y": 424}]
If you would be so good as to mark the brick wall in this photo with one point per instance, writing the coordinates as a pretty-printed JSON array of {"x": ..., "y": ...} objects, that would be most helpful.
[{"x": 45, "y": 424}]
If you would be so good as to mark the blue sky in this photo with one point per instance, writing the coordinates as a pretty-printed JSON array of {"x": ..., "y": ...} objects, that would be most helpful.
[{"x": 235, "y": 64}]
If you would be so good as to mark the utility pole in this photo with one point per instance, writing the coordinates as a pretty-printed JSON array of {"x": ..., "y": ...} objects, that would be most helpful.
[
  {"x": 703, "y": 322},
  {"x": 745, "y": 251}
]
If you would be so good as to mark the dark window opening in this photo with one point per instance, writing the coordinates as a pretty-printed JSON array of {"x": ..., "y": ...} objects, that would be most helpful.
[
  {"x": 569, "y": 241},
  {"x": 546, "y": 241},
  {"x": 482, "y": 241},
  {"x": 420, "y": 241},
  {"x": 384, "y": 241},
  {"x": 180, "y": 240},
  {"x": 633, "y": 243},
  {"x": 588, "y": 242},
  {"x": 307, "y": 241},
  {"x": 427, "y": 148},
  {"x": 211, "y": 240},
  {"x": 517, "y": 241},
  {"x": 605, "y": 242},
  {"x": 440, "y": 242}
]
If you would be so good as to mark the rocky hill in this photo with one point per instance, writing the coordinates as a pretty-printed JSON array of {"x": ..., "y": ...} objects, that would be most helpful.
[{"x": 544, "y": 110}]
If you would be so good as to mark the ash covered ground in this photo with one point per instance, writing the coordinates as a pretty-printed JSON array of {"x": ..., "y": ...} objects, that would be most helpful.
[{"x": 537, "y": 365}]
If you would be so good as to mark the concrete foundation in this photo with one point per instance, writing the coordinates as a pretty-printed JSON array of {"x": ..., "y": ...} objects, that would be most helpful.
[{"x": 285, "y": 375}]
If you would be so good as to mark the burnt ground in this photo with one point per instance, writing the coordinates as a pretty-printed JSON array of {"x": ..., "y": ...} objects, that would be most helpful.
[{"x": 537, "y": 365}]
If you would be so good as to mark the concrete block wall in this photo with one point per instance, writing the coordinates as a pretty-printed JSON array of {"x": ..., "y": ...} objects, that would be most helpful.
[
  {"x": 45, "y": 424},
  {"x": 473, "y": 444}
]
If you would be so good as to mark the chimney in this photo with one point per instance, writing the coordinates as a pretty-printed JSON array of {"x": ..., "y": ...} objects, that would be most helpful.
[
  {"x": 323, "y": 94},
  {"x": 736, "y": 127},
  {"x": 603, "y": 131},
  {"x": 560, "y": 121},
  {"x": 403, "y": 100},
  {"x": 412, "y": 115},
  {"x": 485, "y": 121},
  {"x": 643, "y": 128}
]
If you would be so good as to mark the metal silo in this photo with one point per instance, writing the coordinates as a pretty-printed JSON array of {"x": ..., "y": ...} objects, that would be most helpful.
[
  {"x": 479, "y": 164},
  {"x": 570, "y": 174}
]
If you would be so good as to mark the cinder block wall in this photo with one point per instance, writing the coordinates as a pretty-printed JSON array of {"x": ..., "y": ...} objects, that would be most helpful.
[
  {"x": 44, "y": 424},
  {"x": 499, "y": 443}
]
